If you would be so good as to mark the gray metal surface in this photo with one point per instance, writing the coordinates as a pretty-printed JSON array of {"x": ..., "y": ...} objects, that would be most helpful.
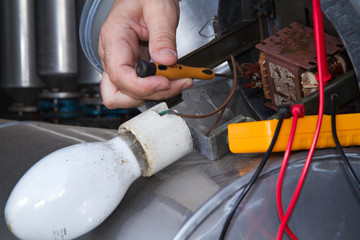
[
  {"x": 193, "y": 16},
  {"x": 219, "y": 50},
  {"x": 215, "y": 145},
  {"x": 56, "y": 36},
  {"x": 190, "y": 199},
  {"x": 345, "y": 16},
  {"x": 328, "y": 207}
]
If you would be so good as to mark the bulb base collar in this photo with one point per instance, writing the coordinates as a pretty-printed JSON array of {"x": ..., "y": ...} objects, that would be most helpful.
[{"x": 163, "y": 139}]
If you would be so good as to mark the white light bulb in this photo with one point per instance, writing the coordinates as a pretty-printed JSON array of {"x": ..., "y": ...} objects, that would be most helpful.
[{"x": 71, "y": 191}]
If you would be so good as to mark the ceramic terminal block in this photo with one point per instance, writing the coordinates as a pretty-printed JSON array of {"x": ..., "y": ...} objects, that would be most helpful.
[{"x": 164, "y": 139}]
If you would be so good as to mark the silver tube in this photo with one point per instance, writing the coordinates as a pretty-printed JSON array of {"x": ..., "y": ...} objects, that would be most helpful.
[
  {"x": 57, "y": 49},
  {"x": 18, "y": 49}
]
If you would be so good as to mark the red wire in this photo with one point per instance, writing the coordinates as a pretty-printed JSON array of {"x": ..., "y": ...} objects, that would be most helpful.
[
  {"x": 295, "y": 113},
  {"x": 322, "y": 77},
  {"x": 323, "y": 69}
]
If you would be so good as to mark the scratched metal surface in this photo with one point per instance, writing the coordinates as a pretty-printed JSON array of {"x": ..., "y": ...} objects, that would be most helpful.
[
  {"x": 190, "y": 199},
  {"x": 22, "y": 144}
]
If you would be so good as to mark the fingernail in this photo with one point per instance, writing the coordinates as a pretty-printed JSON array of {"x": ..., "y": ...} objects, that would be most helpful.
[
  {"x": 162, "y": 87},
  {"x": 188, "y": 84},
  {"x": 167, "y": 53}
]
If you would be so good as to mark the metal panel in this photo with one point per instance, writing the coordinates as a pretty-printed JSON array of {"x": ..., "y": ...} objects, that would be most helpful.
[{"x": 219, "y": 50}]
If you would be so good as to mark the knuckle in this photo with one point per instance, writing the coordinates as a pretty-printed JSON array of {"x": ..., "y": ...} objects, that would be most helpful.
[
  {"x": 170, "y": 94},
  {"x": 109, "y": 103},
  {"x": 165, "y": 95},
  {"x": 143, "y": 91},
  {"x": 164, "y": 38}
]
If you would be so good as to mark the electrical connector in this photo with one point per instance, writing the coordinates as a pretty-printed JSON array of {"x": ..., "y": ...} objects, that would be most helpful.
[
  {"x": 298, "y": 109},
  {"x": 333, "y": 97},
  {"x": 285, "y": 110}
]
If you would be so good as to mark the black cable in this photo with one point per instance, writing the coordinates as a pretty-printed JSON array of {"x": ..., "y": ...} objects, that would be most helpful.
[
  {"x": 283, "y": 112},
  {"x": 338, "y": 145}
]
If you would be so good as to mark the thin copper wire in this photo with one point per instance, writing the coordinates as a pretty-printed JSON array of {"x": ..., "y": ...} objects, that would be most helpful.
[
  {"x": 273, "y": 27},
  {"x": 216, "y": 122},
  {"x": 223, "y": 110}
]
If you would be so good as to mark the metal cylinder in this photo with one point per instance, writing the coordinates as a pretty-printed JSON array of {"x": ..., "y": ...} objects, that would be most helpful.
[
  {"x": 18, "y": 68},
  {"x": 18, "y": 58},
  {"x": 56, "y": 35}
]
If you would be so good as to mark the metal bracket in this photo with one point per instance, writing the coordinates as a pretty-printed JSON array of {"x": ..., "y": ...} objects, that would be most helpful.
[{"x": 218, "y": 51}]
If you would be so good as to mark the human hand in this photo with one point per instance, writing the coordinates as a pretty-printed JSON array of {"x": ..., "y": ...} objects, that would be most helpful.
[{"x": 123, "y": 42}]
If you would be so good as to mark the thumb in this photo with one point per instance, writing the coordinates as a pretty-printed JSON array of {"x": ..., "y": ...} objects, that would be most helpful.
[{"x": 162, "y": 18}]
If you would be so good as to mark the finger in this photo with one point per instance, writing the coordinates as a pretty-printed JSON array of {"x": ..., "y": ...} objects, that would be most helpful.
[
  {"x": 119, "y": 51},
  {"x": 113, "y": 98},
  {"x": 176, "y": 87},
  {"x": 127, "y": 80},
  {"x": 161, "y": 20}
]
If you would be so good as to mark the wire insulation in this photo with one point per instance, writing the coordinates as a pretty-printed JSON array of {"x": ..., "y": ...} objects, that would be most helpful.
[
  {"x": 295, "y": 114},
  {"x": 216, "y": 122},
  {"x": 253, "y": 178},
  {"x": 322, "y": 77},
  {"x": 337, "y": 143}
]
